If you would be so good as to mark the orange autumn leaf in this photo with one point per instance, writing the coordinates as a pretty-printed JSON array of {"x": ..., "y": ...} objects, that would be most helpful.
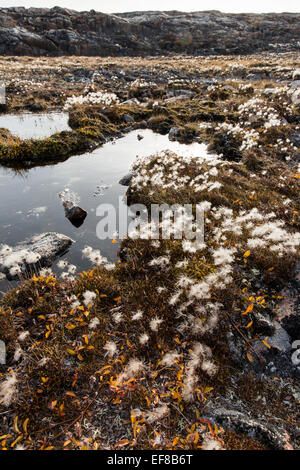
[
  {"x": 250, "y": 358},
  {"x": 266, "y": 343},
  {"x": 122, "y": 442},
  {"x": 248, "y": 309}
]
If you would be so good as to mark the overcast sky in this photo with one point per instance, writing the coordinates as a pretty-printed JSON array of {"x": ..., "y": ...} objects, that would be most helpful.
[{"x": 234, "y": 6}]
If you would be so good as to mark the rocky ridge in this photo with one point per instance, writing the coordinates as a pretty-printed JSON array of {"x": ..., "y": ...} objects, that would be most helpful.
[{"x": 59, "y": 31}]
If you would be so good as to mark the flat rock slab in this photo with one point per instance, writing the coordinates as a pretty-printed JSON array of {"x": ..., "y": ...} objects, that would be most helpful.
[
  {"x": 47, "y": 245},
  {"x": 225, "y": 415}
]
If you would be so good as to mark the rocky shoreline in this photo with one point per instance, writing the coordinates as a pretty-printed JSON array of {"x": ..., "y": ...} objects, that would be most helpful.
[{"x": 59, "y": 31}]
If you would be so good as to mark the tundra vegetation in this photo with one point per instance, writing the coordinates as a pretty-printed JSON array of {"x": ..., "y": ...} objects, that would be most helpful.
[{"x": 138, "y": 355}]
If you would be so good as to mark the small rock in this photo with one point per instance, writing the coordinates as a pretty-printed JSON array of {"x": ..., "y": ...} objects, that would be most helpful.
[
  {"x": 280, "y": 341},
  {"x": 296, "y": 74},
  {"x": 127, "y": 118},
  {"x": 296, "y": 97},
  {"x": 177, "y": 98},
  {"x": 295, "y": 84},
  {"x": 75, "y": 214},
  {"x": 125, "y": 181},
  {"x": 295, "y": 138},
  {"x": 263, "y": 324},
  {"x": 174, "y": 131}
]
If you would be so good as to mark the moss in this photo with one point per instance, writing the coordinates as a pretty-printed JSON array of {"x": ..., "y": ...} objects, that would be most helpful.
[
  {"x": 91, "y": 125},
  {"x": 235, "y": 441},
  {"x": 161, "y": 123},
  {"x": 66, "y": 380},
  {"x": 226, "y": 144}
]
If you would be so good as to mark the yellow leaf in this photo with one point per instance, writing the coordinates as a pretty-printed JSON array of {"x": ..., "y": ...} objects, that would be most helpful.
[
  {"x": 16, "y": 441},
  {"x": 247, "y": 253},
  {"x": 248, "y": 309},
  {"x": 85, "y": 337},
  {"x": 250, "y": 358},
  {"x": 122, "y": 442},
  {"x": 5, "y": 436},
  {"x": 16, "y": 425},
  {"x": 249, "y": 324},
  {"x": 266, "y": 343},
  {"x": 133, "y": 418},
  {"x": 25, "y": 425},
  {"x": 196, "y": 438}
]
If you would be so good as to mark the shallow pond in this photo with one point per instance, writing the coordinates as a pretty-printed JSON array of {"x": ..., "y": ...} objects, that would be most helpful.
[
  {"x": 30, "y": 203},
  {"x": 35, "y": 126}
]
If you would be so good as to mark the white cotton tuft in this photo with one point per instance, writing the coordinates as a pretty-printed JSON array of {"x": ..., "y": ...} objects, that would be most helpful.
[
  {"x": 8, "y": 389},
  {"x": 94, "y": 323},
  {"x": 22, "y": 336},
  {"x": 170, "y": 358},
  {"x": 211, "y": 444},
  {"x": 89, "y": 297},
  {"x": 18, "y": 353},
  {"x": 137, "y": 316},
  {"x": 154, "y": 323},
  {"x": 143, "y": 339},
  {"x": 110, "y": 348}
]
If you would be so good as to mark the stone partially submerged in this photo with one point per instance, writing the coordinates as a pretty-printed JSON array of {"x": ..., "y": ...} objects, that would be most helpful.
[
  {"x": 125, "y": 181},
  {"x": 29, "y": 256},
  {"x": 75, "y": 214},
  {"x": 73, "y": 211}
]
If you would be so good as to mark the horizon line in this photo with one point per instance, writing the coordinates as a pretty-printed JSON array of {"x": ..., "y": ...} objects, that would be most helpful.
[{"x": 154, "y": 11}]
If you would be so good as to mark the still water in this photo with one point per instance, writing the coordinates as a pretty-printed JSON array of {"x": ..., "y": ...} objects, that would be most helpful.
[
  {"x": 30, "y": 203},
  {"x": 35, "y": 126}
]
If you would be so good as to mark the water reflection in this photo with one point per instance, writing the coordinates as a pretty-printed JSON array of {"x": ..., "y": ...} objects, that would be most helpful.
[
  {"x": 29, "y": 197},
  {"x": 35, "y": 126}
]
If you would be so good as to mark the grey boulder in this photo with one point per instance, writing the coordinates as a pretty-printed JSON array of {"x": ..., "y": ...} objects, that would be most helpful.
[{"x": 45, "y": 246}]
